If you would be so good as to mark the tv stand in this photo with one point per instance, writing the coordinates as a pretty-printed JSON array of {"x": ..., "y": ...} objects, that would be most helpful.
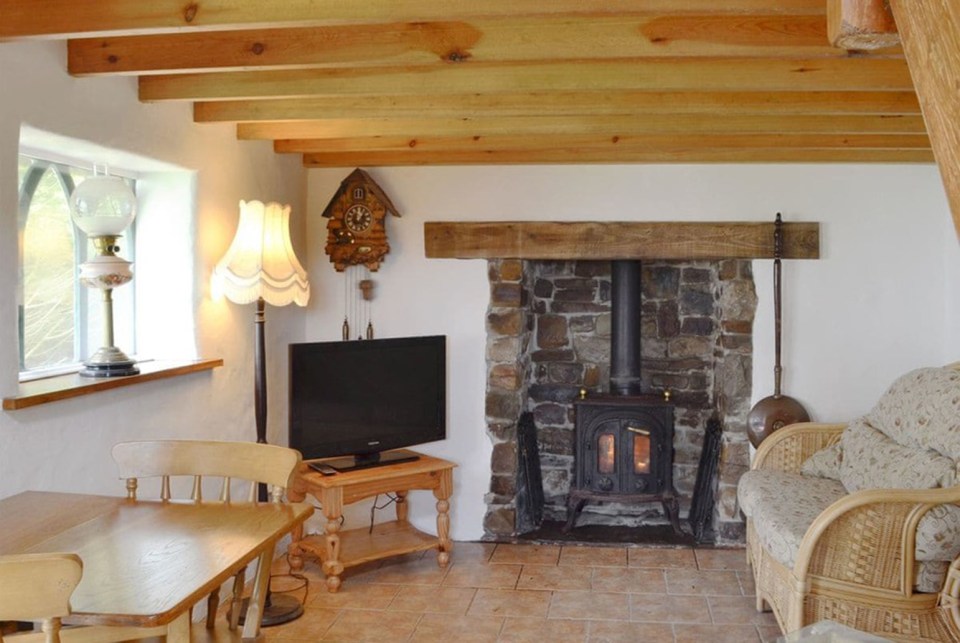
[
  {"x": 338, "y": 550},
  {"x": 366, "y": 461}
]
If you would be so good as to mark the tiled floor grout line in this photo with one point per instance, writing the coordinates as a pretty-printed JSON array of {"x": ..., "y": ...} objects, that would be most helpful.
[{"x": 702, "y": 571}]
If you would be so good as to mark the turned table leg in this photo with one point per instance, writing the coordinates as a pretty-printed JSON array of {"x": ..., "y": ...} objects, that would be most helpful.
[
  {"x": 332, "y": 500},
  {"x": 442, "y": 492},
  {"x": 294, "y": 552}
]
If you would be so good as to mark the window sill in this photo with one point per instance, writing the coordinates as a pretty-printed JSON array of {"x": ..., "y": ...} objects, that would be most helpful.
[{"x": 62, "y": 387}]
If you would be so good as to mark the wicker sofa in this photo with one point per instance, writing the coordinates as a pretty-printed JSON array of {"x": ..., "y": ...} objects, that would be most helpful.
[{"x": 859, "y": 523}]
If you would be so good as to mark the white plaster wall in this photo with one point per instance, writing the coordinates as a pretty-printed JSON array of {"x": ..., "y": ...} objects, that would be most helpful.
[
  {"x": 65, "y": 445},
  {"x": 882, "y": 299}
]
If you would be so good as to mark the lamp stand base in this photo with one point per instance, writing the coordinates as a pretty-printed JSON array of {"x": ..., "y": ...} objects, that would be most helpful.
[
  {"x": 279, "y": 609},
  {"x": 109, "y": 361},
  {"x": 109, "y": 370}
]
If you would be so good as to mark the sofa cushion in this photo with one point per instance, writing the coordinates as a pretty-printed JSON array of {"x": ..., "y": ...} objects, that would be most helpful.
[
  {"x": 825, "y": 463},
  {"x": 872, "y": 460},
  {"x": 921, "y": 409},
  {"x": 938, "y": 534},
  {"x": 928, "y": 575},
  {"x": 782, "y": 506}
]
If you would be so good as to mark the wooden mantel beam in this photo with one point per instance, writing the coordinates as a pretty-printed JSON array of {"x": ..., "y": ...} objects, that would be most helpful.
[
  {"x": 595, "y": 240},
  {"x": 930, "y": 31}
]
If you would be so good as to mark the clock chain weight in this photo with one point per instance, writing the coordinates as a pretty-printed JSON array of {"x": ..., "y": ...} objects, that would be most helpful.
[{"x": 357, "y": 301}]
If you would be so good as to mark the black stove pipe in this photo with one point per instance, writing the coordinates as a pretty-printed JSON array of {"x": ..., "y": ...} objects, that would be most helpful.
[{"x": 626, "y": 302}]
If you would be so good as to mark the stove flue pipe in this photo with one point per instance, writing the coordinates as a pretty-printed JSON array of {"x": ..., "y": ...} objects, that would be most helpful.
[{"x": 626, "y": 302}]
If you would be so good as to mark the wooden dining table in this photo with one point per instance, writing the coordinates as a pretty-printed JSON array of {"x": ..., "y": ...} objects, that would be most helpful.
[{"x": 147, "y": 563}]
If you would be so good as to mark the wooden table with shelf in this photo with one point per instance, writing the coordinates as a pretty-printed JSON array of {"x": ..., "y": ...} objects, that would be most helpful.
[{"x": 338, "y": 550}]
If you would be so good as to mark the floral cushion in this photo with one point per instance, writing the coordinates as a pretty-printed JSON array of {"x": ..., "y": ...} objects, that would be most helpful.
[
  {"x": 922, "y": 410},
  {"x": 938, "y": 534},
  {"x": 928, "y": 575},
  {"x": 825, "y": 463},
  {"x": 782, "y": 506},
  {"x": 871, "y": 460}
]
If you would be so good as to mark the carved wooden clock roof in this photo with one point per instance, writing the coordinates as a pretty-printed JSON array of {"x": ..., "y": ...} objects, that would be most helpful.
[{"x": 359, "y": 175}]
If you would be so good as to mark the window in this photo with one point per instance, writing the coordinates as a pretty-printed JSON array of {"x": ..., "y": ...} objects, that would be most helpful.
[{"x": 60, "y": 321}]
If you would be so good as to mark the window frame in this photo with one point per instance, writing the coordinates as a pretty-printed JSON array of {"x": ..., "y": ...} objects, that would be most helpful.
[{"x": 40, "y": 163}]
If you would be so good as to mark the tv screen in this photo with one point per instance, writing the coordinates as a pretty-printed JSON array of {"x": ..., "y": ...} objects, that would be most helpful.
[{"x": 361, "y": 397}]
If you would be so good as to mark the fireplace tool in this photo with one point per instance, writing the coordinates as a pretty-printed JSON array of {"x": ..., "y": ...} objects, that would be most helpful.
[{"x": 777, "y": 410}]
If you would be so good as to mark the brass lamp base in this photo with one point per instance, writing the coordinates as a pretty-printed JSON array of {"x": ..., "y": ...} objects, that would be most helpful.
[{"x": 109, "y": 361}]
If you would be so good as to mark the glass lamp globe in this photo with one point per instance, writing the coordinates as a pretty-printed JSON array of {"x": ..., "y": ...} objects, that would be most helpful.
[{"x": 103, "y": 206}]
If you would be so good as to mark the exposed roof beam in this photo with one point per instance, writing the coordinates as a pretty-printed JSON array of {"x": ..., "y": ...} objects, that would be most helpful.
[
  {"x": 640, "y": 143},
  {"x": 557, "y": 125},
  {"x": 58, "y": 18},
  {"x": 615, "y": 155},
  {"x": 569, "y": 103},
  {"x": 861, "y": 24},
  {"x": 414, "y": 43},
  {"x": 931, "y": 41},
  {"x": 666, "y": 74}
]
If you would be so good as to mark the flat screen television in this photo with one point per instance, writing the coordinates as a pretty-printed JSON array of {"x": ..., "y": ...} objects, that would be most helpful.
[{"x": 355, "y": 399}]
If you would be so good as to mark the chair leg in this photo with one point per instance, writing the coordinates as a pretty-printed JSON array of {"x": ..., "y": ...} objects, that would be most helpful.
[
  {"x": 762, "y": 604},
  {"x": 237, "y": 605},
  {"x": 213, "y": 602}
]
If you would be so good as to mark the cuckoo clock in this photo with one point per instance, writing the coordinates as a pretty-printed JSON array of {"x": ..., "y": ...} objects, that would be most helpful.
[{"x": 356, "y": 230}]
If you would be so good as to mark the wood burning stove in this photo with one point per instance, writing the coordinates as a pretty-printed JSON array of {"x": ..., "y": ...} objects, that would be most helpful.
[
  {"x": 624, "y": 442},
  {"x": 623, "y": 453}
]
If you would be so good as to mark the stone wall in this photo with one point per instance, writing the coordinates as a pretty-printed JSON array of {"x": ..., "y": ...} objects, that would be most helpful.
[{"x": 696, "y": 330}]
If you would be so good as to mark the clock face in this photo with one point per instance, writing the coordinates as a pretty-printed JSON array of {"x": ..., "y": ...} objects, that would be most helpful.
[{"x": 358, "y": 218}]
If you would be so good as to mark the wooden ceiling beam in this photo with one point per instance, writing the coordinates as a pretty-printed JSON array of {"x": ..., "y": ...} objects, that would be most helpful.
[
  {"x": 415, "y": 43},
  {"x": 861, "y": 24},
  {"x": 649, "y": 143},
  {"x": 69, "y": 18},
  {"x": 931, "y": 41},
  {"x": 651, "y": 74},
  {"x": 613, "y": 155},
  {"x": 560, "y": 103},
  {"x": 588, "y": 124}
]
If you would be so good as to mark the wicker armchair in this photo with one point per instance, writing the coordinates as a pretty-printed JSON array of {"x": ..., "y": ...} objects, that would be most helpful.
[{"x": 856, "y": 562}]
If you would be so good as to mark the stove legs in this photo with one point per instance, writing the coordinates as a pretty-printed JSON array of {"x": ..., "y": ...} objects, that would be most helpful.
[
  {"x": 671, "y": 508},
  {"x": 574, "y": 507}
]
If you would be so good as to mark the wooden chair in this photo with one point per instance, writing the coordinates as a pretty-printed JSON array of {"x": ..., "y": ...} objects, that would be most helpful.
[
  {"x": 235, "y": 464},
  {"x": 37, "y": 587}
]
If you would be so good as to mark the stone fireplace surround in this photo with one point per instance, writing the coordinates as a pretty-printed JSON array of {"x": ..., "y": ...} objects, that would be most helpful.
[{"x": 548, "y": 336}]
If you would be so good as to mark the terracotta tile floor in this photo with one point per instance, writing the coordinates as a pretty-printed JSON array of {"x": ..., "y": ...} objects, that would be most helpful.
[{"x": 538, "y": 593}]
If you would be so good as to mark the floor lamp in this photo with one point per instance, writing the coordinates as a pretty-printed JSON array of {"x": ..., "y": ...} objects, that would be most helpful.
[{"x": 260, "y": 266}]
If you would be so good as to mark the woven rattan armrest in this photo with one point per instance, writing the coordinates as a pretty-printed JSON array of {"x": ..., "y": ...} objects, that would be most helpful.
[
  {"x": 868, "y": 538},
  {"x": 788, "y": 448}
]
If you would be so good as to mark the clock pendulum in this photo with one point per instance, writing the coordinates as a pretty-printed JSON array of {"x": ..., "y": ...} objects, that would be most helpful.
[
  {"x": 357, "y": 298},
  {"x": 366, "y": 287}
]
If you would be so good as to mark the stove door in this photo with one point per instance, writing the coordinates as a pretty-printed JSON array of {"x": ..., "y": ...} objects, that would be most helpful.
[{"x": 603, "y": 466}]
